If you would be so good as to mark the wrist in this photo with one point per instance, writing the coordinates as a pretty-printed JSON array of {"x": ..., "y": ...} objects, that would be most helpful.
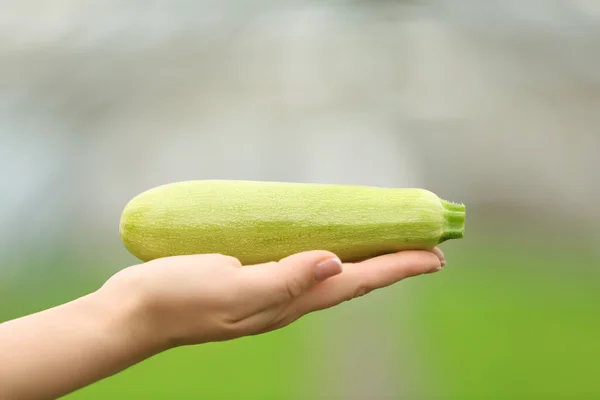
[{"x": 127, "y": 318}]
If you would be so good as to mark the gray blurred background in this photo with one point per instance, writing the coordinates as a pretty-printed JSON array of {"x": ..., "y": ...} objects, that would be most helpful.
[{"x": 492, "y": 103}]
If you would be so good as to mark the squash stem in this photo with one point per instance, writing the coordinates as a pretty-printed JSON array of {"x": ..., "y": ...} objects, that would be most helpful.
[{"x": 454, "y": 226}]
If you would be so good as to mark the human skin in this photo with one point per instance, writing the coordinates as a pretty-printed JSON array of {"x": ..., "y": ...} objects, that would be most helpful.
[{"x": 149, "y": 308}]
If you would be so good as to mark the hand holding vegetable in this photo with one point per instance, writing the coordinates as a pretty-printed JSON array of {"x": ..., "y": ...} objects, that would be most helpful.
[
  {"x": 152, "y": 307},
  {"x": 372, "y": 238},
  {"x": 195, "y": 299}
]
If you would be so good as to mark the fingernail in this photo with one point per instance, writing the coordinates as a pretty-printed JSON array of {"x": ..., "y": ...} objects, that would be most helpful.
[
  {"x": 443, "y": 262},
  {"x": 435, "y": 270},
  {"x": 328, "y": 268}
]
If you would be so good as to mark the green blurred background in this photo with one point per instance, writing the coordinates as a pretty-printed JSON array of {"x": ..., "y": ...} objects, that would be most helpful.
[{"x": 494, "y": 104}]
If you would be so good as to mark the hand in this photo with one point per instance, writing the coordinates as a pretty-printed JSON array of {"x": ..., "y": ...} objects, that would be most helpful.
[
  {"x": 151, "y": 307},
  {"x": 195, "y": 299}
]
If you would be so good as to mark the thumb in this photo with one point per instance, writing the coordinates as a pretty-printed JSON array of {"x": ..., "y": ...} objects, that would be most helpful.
[{"x": 303, "y": 270}]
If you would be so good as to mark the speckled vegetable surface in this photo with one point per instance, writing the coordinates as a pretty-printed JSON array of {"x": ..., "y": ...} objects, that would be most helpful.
[{"x": 266, "y": 221}]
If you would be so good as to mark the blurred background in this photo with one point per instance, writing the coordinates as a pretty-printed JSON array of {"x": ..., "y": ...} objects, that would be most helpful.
[{"x": 492, "y": 103}]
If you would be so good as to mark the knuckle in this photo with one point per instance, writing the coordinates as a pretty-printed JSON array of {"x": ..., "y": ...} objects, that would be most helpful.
[
  {"x": 284, "y": 319},
  {"x": 293, "y": 287},
  {"x": 230, "y": 327},
  {"x": 232, "y": 261},
  {"x": 362, "y": 290},
  {"x": 232, "y": 316}
]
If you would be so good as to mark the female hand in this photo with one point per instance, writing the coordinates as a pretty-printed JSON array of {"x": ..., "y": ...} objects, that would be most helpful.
[
  {"x": 202, "y": 298},
  {"x": 169, "y": 302}
]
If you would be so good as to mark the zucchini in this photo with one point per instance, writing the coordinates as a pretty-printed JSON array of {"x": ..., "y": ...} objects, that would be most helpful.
[{"x": 259, "y": 222}]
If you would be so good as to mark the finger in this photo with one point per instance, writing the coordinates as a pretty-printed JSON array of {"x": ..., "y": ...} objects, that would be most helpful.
[
  {"x": 294, "y": 275},
  {"x": 362, "y": 278},
  {"x": 438, "y": 252}
]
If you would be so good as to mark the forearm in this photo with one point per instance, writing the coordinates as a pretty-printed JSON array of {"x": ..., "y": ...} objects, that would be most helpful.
[{"x": 54, "y": 352}]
